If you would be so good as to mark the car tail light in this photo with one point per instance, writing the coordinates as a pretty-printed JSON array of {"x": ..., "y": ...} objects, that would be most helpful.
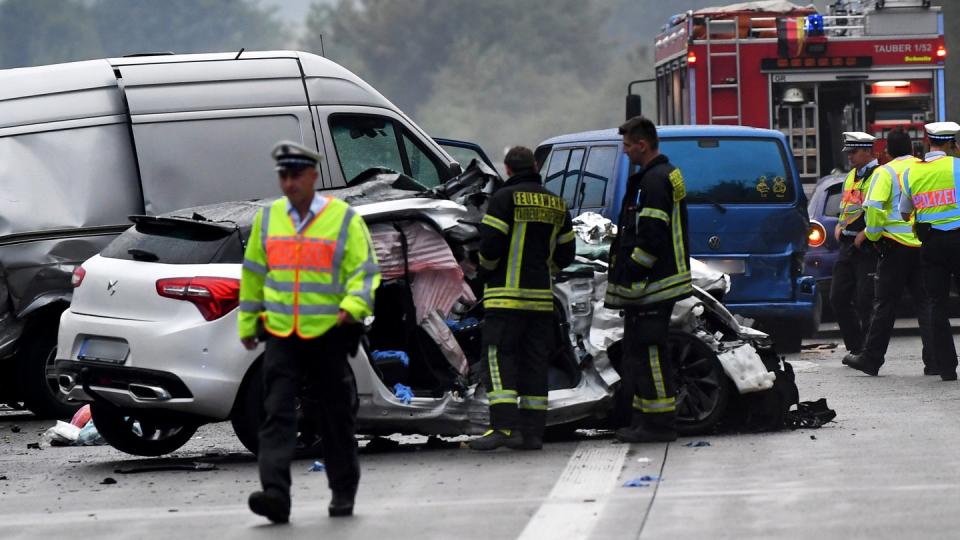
[
  {"x": 213, "y": 296},
  {"x": 77, "y": 278},
  {"x": 817, "y": 235}
]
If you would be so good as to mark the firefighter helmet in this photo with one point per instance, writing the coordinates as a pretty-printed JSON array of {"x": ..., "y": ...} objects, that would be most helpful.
[{"x": 793, "y": 96}]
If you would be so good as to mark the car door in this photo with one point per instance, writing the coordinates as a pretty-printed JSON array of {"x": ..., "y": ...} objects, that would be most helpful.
[{"x": 464, "y": 152}]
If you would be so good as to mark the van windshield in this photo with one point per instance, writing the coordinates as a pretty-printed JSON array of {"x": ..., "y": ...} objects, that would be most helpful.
[{"x": 734, "y": 170}]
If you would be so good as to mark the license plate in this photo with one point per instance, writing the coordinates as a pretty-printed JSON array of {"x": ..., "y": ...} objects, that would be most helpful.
[
  {"x": 727, "y": 266},
  {"x": 104, "y": 350}
]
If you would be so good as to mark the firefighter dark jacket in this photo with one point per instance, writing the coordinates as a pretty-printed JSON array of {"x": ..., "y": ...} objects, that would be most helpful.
[
  {"x": 649, "y": 262},
  {"x": 526, "y": 237}
]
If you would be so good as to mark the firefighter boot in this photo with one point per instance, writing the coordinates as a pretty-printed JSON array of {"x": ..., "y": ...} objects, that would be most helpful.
[
  {"x": 341, "y": 504},
  {"x": 660, "y": 427},
  {"x": 271, "y": 505},
  {"x": 495, "y": 438},
  {"x": 528, "y": 441}
]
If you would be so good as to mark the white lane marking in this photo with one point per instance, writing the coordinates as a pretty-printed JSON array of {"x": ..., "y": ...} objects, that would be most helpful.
[{"x": 576, "y": 502}]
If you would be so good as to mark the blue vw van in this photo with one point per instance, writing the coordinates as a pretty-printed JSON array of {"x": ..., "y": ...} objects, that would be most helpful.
[{"x": 747, "y": 209}]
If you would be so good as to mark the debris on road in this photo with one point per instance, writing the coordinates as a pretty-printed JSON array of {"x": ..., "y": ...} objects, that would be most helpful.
[
  {"x": 61, "y": 434},
  {"x": 108, "y": 481},
  {"x": 33, "y": 446},
  {"x": 697, "y": 444},
  {"x": 641, "y": 481},
  {"x": 317, "y": 466},
  {"x": 15, "y": 429},
  {"x": 817, "y": 347},
  {"x": 745, "y": 368},
  {"x": 809, "y": 415},
  {"x": 165, "y": 467},
  {"x": 643, "y": 460},
  {"x": 82, "y": 416}
]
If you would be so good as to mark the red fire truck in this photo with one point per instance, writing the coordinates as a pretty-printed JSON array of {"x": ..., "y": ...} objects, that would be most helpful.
[{"x": 862, "y": 66}]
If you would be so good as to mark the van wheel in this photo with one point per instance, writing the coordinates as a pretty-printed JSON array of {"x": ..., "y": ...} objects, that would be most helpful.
[
  {"x": 131, "y": 432},
  {"x": 248, "y": 414},
  {"x": 703, "y": 389},
  {"x": 37, "y": 375}
]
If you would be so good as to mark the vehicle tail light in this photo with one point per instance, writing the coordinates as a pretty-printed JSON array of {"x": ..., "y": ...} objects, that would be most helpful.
[
  {"x": 691, "y": 57},
  {"x": 213, "y": 296},
  {"x": 941, "y": 52},
  {"x": 77, "y": 278},
  {"x": 817, "y": 235}
]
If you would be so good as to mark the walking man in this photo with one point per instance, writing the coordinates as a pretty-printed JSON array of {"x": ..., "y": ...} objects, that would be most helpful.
[
  {"x": 851, "y": 289},
  {"x": 930, "y": 193},
  {"x": 526, "y": 238},
  {"x": 899, "y": 260},
  {"x": 309, "y": 273},
  {"x": 649, "y": 272}
]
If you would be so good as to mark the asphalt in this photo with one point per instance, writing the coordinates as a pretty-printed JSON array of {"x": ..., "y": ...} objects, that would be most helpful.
[{"x": 886, "y": 468}]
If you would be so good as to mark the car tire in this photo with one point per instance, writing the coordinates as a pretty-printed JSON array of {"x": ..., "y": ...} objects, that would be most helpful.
[
  {"x": 703, "y": 388},
  {"x": 248, "y": 414},
  {"x": 36, "y": 376},
  {"x": 155, "y": 438}
]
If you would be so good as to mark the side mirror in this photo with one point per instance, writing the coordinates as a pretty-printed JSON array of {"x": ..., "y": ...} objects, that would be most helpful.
[
  {"x": 455, "y": 169},
  {"x": 634, "y": 105}
]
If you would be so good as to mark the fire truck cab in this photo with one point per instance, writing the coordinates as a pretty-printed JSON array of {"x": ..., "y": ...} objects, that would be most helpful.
[{"x": 863, "y": 66}]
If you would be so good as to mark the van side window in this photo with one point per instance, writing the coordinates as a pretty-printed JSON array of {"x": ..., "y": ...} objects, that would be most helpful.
[
  {"x": 569, "y": 193},
  {"x": 553, "y": 179},
  {"x": 596, "y": 175},
  {"x": 364, "y": 142},
  {"x": 422, "y": 167}
]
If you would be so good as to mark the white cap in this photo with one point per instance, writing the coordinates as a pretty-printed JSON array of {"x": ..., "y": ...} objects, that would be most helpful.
[
  {"x": 853, "y": 140},
  {"x": 942, "y": 131},
  {"x": 293, "y": 155}
]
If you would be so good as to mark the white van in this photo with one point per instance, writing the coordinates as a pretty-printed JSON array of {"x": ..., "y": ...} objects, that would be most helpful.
[{"x": 85, "y": 144}]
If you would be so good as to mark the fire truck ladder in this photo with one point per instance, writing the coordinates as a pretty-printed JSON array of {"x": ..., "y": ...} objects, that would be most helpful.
[{"x": 726, "y": 85}]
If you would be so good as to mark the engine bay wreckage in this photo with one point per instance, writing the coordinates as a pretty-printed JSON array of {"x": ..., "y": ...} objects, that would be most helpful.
[{"x": 419, "y": 370}]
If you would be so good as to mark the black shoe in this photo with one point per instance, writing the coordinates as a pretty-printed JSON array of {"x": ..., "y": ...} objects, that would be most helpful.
[
  {"x": 527, "y": 442},
  {"x": 930, "y": 370},
  {"x": 270, "y": 505},
  {"x": 640, "y": 434},
  {"x": 849, "y": 356},
  {"x": 341, "y": 505},
  {"x": 950, "y": 376},
  {"x": 495, "y": 438},
  {"x": 860, "y": 363}
]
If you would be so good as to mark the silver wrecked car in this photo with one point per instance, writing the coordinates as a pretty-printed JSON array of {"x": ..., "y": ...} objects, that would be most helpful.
[{"x": 150, "y": 338}]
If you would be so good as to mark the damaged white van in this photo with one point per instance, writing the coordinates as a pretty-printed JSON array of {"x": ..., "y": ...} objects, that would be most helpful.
[{"x": 84, "y": 145}]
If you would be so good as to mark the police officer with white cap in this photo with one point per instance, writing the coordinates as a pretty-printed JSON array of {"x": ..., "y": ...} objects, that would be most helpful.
[
  {"x": 930, "y": 194},
  {"x": 309, "y": 275},
  {"x": 851, "y": 289}
]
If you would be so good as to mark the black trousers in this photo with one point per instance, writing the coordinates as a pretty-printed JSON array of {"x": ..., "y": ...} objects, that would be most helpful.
[
  {"x": 649, "y": 373},
  {"x": 518, "y": 346},
  {"x": 851, "y": 291},
  {"x": 941, "y": 262},
  {"x": 317, "y": 370},
  {"x": 897, "y": 270}
]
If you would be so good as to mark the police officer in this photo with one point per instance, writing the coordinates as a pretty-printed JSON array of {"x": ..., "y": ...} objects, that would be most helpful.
[
  {"x": 851, "y": 290},
  {"x": 930, "y": 193},
  {"x": 899, "y": 258},
  {"x": 309, "y": 273},
  {"x": 649, "y": 272},
  {"x": 526, "y": 237}
]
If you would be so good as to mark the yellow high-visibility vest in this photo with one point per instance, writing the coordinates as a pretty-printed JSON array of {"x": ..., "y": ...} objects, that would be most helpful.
[
  {"x": 932, "y": 187},
  {"x": 883, "y": 204},
  {"x": 298, "y": 282}
]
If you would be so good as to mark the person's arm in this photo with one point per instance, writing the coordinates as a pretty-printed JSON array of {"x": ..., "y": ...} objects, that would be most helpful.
[
  {"x": 653, "y": 220},
  {"x": 359, "y": 272},
  {"x": 251, "y": 283},
  {"x": 565, "y": 249},
  {"x": 879, "y": 194},
  {"x": 495, "y": 229}
]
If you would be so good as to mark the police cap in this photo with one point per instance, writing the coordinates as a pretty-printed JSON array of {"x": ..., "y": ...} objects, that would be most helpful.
[
  {"x": 290, "y": 155},
  {"x": 942, "y": 132},
  {"x": 855, "y": 140}
]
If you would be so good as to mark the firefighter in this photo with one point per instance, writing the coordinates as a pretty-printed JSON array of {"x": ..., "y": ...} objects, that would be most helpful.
[
  {"x": 526, "y": 237},
  {"x": 649, "y": 272},
  {"x": 899, "y": 257},
  {"x": 309, "y": 273},
  {"x": 930, "y": 194},
  {"x": 851, "y": 290}
]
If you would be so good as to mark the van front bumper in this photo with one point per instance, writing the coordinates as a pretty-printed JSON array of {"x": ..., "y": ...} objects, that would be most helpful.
[{"x": 803, "y": 311}]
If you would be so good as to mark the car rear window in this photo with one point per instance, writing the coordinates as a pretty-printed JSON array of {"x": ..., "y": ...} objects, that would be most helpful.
[
  {"x": 173, "y": 241},
  {"x": 831, "y": 207},
  {"x": 732, "y": 170}
]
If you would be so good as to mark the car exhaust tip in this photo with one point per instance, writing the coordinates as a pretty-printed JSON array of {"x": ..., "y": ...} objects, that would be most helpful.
[
  {"x": 148, "y": 393},
  {"x": 66, "y": 382}
]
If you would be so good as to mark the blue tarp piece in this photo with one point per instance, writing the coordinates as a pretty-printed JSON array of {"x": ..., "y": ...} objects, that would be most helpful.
[
  {"x": 403, "y": 392},
  {"x": 697, "y": 444},
  {"x": 462, "y": 324},
  {"x": 317, "y": 466},
  {"x": 383, "y": 356}
]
